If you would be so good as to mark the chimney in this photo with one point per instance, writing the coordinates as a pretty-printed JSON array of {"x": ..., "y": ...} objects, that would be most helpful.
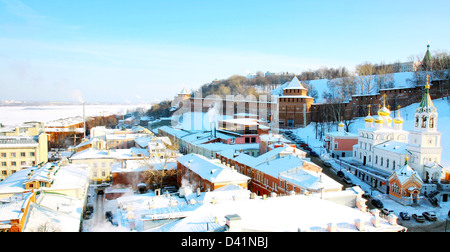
[
  {"x": 233, "y": 223},
  {"x": 331, "y": 227},
  {"x": 360, "y": 225}
]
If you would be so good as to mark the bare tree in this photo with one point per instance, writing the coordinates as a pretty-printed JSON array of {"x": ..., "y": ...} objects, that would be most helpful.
[
  {"x": 158, "y": 168},
  {"x": 365, "y": 77}
]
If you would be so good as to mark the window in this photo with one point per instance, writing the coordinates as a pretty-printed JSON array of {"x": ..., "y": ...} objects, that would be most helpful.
[
  {"x": 387, "y": 163},
  {"x": 376, "y": 159},
  {"x": 253, "y": 139},
  {"x": 424, "y": 122},
  {"x": 381, "y": 161},
  {"x": 3, "y": 163},
  {"x": 3, "y": 154},
  {"x": 32, "y": 154},
  {"x": 22, "y": 154},
  {"x": 247, "y": 140},
  {"x": 13, "y": 154},
  {"x": 13, "y": 163}
]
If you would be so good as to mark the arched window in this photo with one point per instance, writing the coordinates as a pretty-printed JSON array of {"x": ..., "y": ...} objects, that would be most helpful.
[
  {"x": 431, "y": 122},
  {"x": 417, "y": 121},
  {"x": 424, "y": 122},
  {"x": 387, "y": 163},
  {"x": 381, "y": 161}
]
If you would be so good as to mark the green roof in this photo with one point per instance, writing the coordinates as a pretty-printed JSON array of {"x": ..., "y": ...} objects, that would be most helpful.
[{"x": 426, "y": 102}]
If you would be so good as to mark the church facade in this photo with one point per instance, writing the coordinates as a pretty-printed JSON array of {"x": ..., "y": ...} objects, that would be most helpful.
[{"x": 384, "y": 146}]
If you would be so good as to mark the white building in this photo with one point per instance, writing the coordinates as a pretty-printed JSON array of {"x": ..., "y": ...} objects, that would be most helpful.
[{"x": 384, "y": 146}]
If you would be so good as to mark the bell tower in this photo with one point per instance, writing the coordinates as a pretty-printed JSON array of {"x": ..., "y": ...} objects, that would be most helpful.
[{"x": 424, "y": 142}]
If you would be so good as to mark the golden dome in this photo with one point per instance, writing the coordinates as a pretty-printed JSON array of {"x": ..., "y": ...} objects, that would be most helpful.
[
  {"x": 384, "y": 111},
  {"x": 379, "y": 120},
  {"x": 368, "y": 117},
  {"x": 398, "y": 120}
]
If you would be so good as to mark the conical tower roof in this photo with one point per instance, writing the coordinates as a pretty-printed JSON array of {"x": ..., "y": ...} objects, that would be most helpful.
[
  {"x": 427, "y": 57},
  {"x": 295, "y": 83},
  {"x": 426, "y": 104}
]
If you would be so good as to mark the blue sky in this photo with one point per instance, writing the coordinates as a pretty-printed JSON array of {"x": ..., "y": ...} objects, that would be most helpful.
[{"x": 145, "y": 51}]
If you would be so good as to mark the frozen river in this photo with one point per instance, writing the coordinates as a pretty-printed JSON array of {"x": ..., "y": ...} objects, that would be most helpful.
[{"x": 13, "y": 115}]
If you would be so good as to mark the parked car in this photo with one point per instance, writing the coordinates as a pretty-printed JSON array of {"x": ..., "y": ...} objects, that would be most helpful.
[
  {"x": 377, "y": 203},
  {"x": 313, "y": 154},
  {"x": 109, "y": 216},
  {"x": 405, "y": 216},
  {"x": 340, "y": 174},
  {"x": 431, "y": 216},
  {"x": 385, "y": 212},
  {"x": 348, "y": 180},
  {"x": 327, "y": 163},
  {"x": 307, "y": 148},
  {"x": 366, "y": 195},
  {"x": 304, "y": 145},
  {"x": 419, "y": 218}
]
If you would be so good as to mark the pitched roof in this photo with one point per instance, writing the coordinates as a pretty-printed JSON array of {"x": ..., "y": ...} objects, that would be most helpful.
[
  {"x": 295, "y": 83},
  {"x": 211, "y": 170},
  {"x": 405, "y": 173}
]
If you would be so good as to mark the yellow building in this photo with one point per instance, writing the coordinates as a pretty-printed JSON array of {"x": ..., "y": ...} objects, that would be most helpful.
[{"x": 20, "y": 152}]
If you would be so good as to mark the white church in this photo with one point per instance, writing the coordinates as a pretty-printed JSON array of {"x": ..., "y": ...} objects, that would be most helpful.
[{"x": 385, "y": 146}]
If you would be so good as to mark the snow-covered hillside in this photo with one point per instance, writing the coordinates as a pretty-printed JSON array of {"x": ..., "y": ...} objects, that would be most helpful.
[{"x": 400, "y": 80}]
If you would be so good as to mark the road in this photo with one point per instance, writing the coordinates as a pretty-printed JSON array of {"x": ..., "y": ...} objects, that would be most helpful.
[
  {"x": 98, "y": 210},
  {"x": 327, "y": 171}
]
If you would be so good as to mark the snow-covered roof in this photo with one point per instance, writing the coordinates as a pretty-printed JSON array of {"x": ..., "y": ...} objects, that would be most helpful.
[
  {"x": 254, "y": 161},
  {"x": 65, "y": 122},
  {"x": 143, "y": 165},
  {"x": 405, "y": 173},
  {"x": 314, "y": 181},
  {"x": 62, "y": 177},
  {"x": 54, "y": 213},
  {"x": 294, "y": 84},
  {"x": 93, "y": 153},
  {"x": 278, "y": 214},
  {"x": 211, "y": 170},
  {"x": 393, "y": 146},
  {"x": 18, "y": 141}
]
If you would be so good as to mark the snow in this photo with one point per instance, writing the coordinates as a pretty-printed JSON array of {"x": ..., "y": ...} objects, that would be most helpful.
[{"x": 13, "y": 115}]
